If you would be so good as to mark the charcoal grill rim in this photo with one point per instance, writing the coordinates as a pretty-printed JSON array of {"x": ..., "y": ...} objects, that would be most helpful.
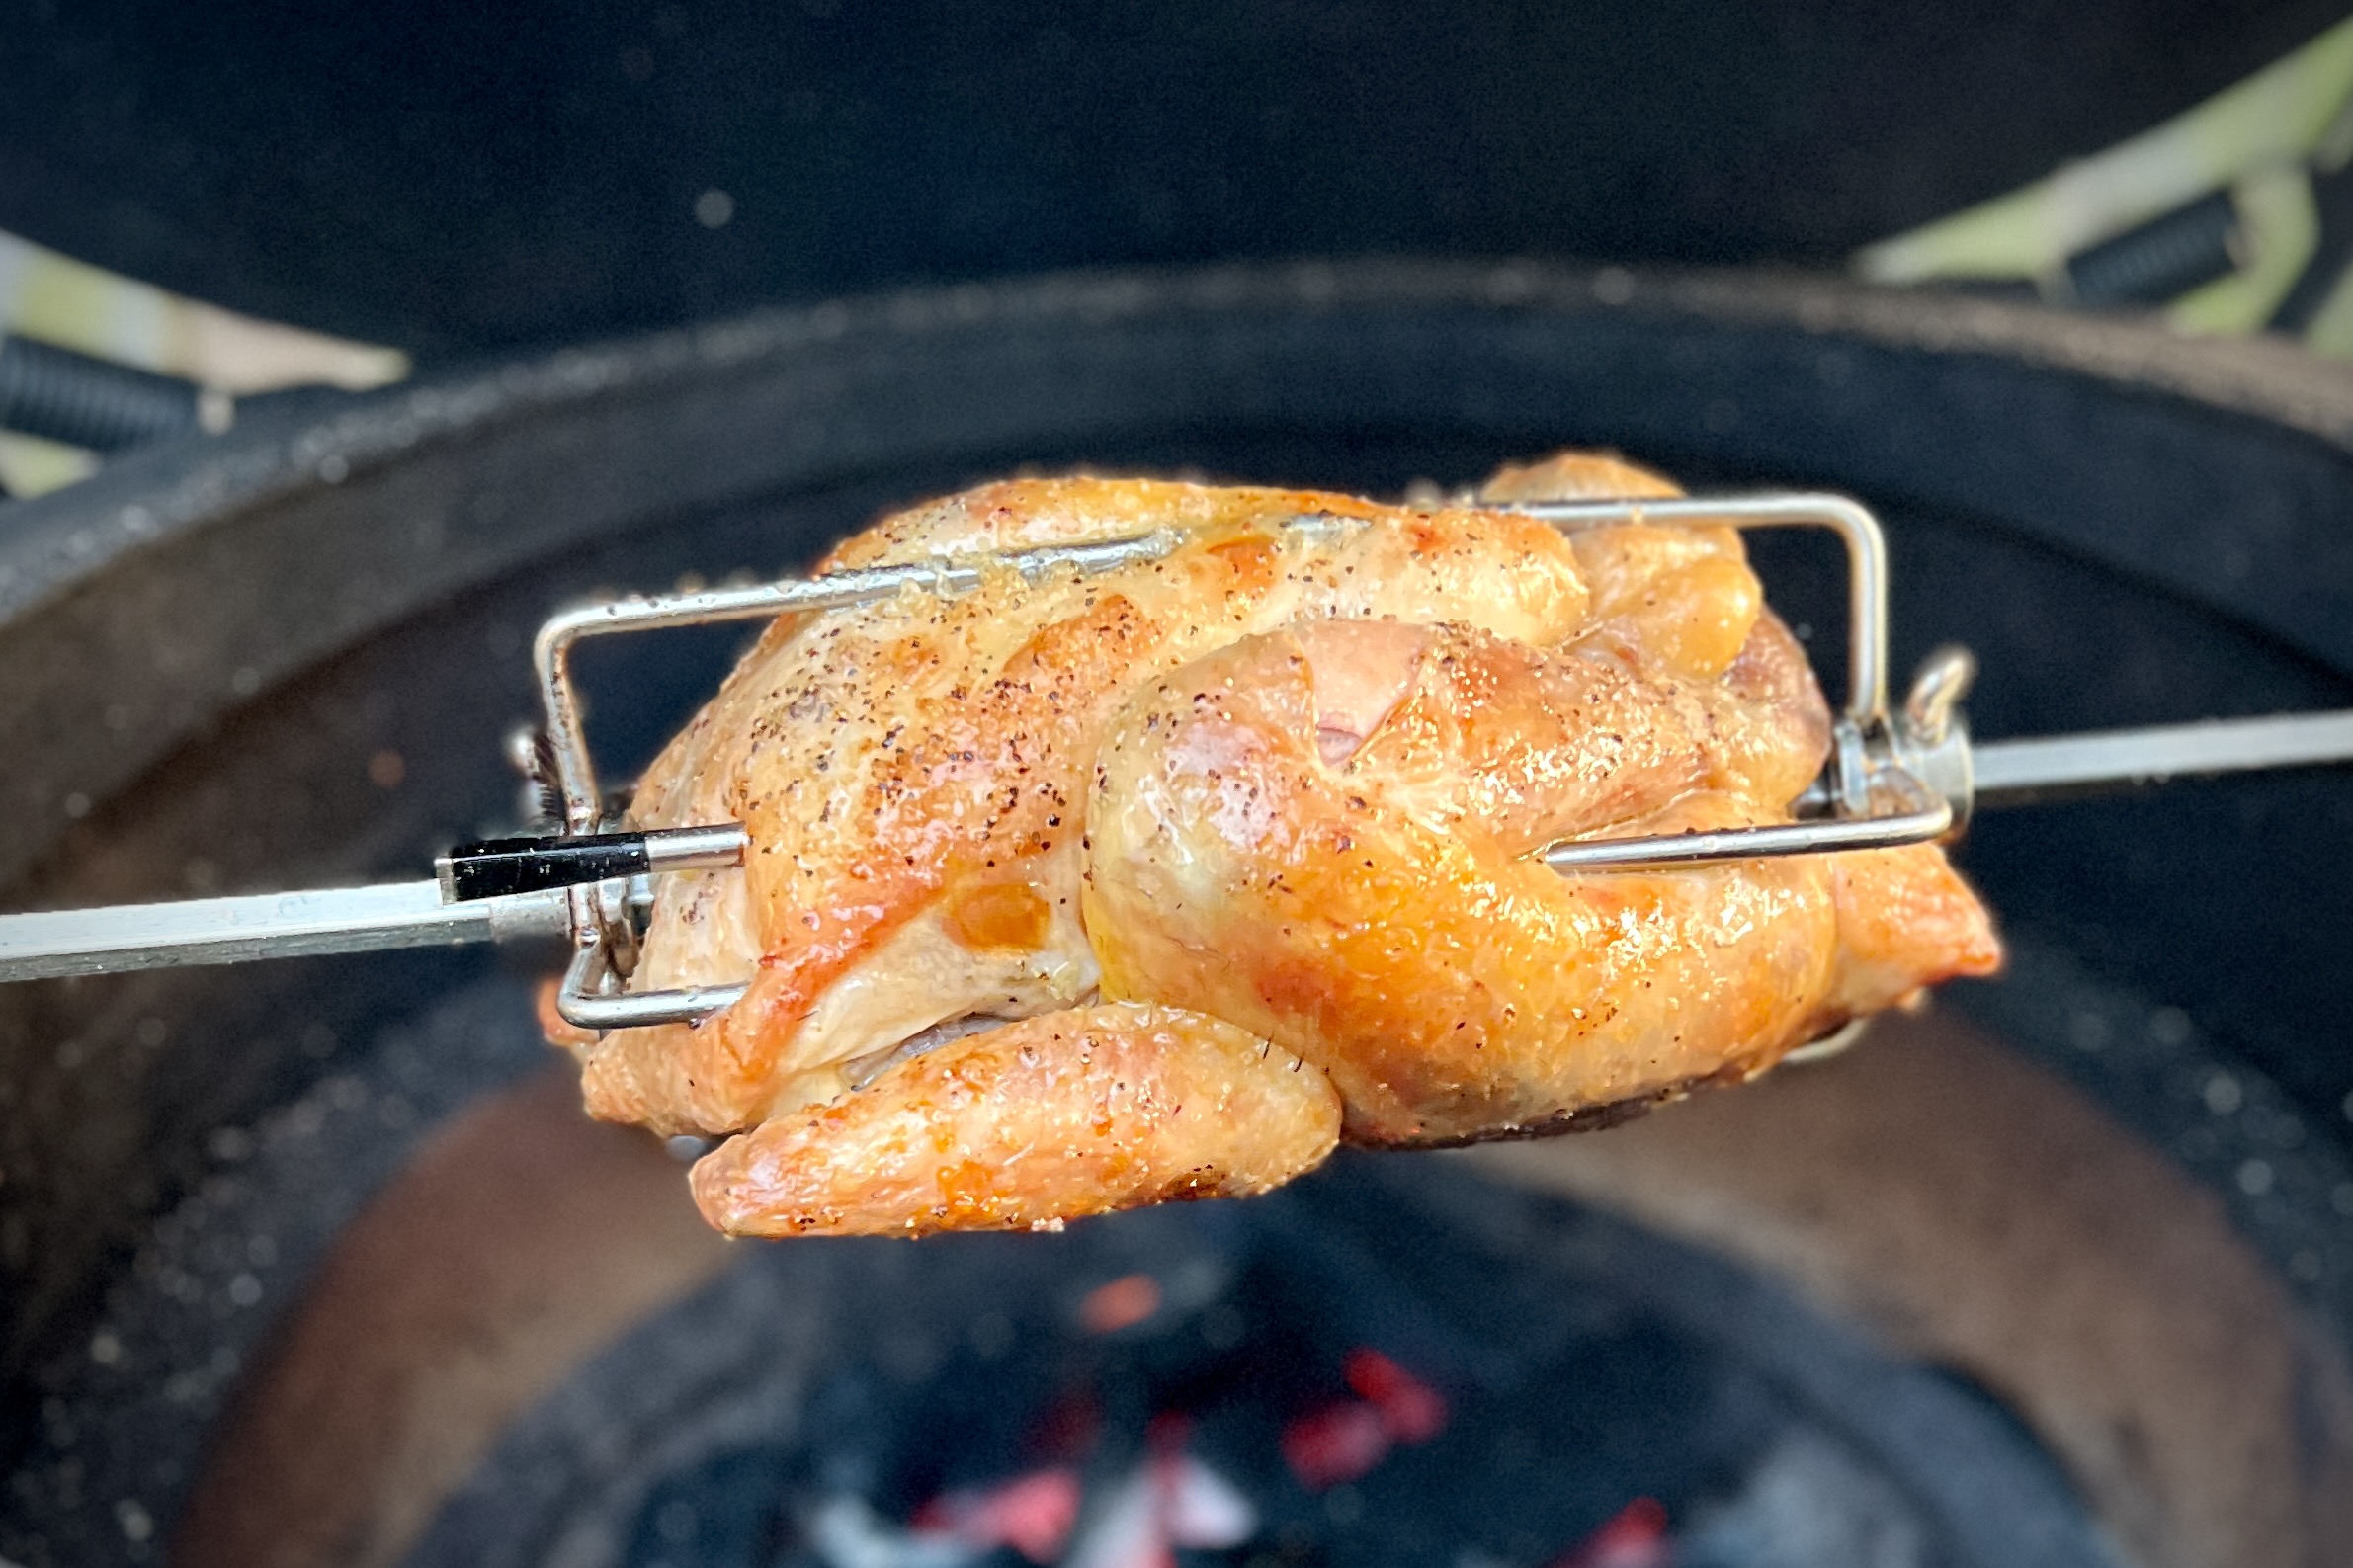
[{"x": 224, "y": 482}]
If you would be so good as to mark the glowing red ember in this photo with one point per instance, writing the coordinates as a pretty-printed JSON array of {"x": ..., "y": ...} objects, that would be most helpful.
[
  {"x": 1411, "y": 1411},
  {"x": 1348, "y": 1438},
  {"x": 1122, "y": 1303},
  {"x": 1032, "y": 1514},
  {"x": 1636, "y": 1536}
]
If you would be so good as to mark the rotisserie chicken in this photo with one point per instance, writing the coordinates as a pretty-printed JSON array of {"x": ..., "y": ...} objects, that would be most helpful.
[{"x": 1070, "y": 896}]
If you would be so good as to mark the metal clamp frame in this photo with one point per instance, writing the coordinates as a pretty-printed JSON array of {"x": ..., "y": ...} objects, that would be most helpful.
[
  {"x": 1910, "y": 762},
  {"x": 1897, "y": 762},
  {"x": 601, "y": 923}
]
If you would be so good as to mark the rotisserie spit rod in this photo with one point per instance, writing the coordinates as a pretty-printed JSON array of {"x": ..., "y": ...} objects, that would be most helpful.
[{"x": 1897, "y": 776}]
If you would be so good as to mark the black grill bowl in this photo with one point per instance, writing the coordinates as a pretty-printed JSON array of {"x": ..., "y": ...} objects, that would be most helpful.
[{"x": 286, "y": 656}]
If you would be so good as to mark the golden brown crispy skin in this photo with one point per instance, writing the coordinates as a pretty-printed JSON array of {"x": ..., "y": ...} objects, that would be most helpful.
[
  {"x": 1378, "y": 912},
  {"x": 1683, "y": 596},
  {"x": 1418, "y": 699},
  {"x": 1031, "y": 1123}
]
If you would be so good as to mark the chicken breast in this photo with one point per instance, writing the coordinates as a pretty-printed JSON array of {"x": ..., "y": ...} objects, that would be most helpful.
[{"x": 1069, "y": 895}]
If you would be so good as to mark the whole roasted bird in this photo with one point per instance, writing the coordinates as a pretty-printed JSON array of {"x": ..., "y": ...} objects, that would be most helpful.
[{"x": 1070, "y": 896}]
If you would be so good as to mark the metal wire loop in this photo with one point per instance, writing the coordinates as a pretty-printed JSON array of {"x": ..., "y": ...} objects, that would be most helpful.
[{"x": 595, "y": 993}]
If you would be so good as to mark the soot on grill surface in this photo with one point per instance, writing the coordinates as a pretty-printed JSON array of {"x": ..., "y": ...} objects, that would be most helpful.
[{"x": 1387, "y": 1364}]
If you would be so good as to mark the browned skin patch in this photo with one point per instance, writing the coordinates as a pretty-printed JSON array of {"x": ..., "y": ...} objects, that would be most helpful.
[
  {"x": 999, "y": 915},
  {"x": 1585, "y": 1119}
]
